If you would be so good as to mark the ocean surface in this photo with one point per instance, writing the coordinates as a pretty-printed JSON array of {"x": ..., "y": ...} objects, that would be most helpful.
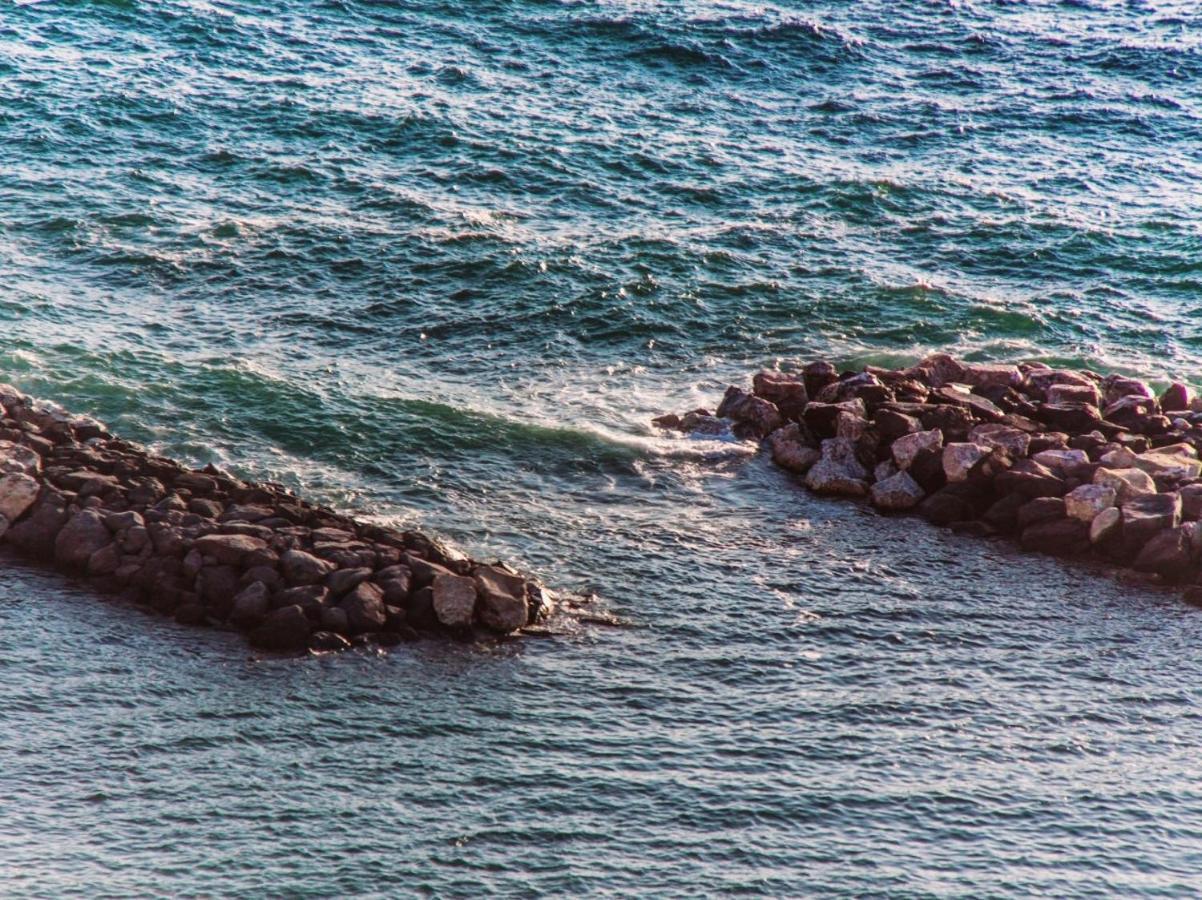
[{"x": 440, "y": 263}]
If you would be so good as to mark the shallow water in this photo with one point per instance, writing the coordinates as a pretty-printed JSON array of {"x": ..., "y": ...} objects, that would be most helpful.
[{"x": 441, "y": 266}]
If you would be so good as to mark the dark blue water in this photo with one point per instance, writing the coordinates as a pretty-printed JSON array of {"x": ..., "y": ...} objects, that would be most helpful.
[{"x": 440, "y": 263}]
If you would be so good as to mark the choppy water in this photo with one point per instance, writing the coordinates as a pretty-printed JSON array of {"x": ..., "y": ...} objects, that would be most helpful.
[{"x": 441, "y": 262}]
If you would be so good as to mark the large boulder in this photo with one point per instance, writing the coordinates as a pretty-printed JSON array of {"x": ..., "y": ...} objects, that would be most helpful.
[
  {"x": 1106, "y": 526},
  {"x": 18, "y": 491},
  {"x": 958, "y": 459},
  {"x": 35, "y": 534},
  {"x": 786, "y": 392},
  {"x": 906, "y": 448},
  {"x": 1073, "y": 418},
  {"x": 1147, "y": 515},
  {"x": 364, "y": 607},
  {"x": 301, "y": 568},
  {"x": 1061, "y": 460},
  {"x": 791, "y": 450},
  {"x": 1030, "y": 479},
  {"x": 82, "y": 536},
  {"x": 1057, "y": 537},
  {"x": 228, "y": 549},
  {"x": 250, "y": 605},
  {"x": 993, "y": 434},
  {"x": 455, "y": 600},
  {"x": 754, "y": 415},
  {"x": 1169, "y": 554},
  {"x": 838, "y": 471},
  {"x": 1127, "y": 483},
  {"x": 1041, "y": 509},
  {"x": 503, "y": 605},
  {"x": 1177, "y": 398},
  {"x": 822, "y": 418},
  {"x": 284, "y": 630},
  {"x": 896, "y": 492},
  {"x": 1086, "y": 501}
]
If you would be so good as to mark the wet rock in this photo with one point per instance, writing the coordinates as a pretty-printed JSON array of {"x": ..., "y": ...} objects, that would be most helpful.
[
  {"x": 818, "y": 375},
  {"x": 1002, "y": 516},
  {"x": 897, "y": 492},
  {"x": 1116, "y": 387},
  {"x": 786, "y": 392},
  {"x": 822, "y": 418},
  {"x": 947, "y": 506},
  {"x": 958, "y": 460},
  {"x": 1057, "y": 537},
  {"x": 756, "y": 416},
  {"x": 906, "y": 448},
  {"x": 327, "y": 642},
  {"x": 283, "y": 630},
  {"x": 80, "y": 537},
  {"x": 1041, "y": 509},
  {"x": 1085, "y": 502},
  {"x": 1169, "y": 554},
  {"x": 334, "y": 618},
  {"x": 250, "y": 605},
  {"x": 191, "y": 613},
  {"x": 1146, "y": 515},
  {"x": 364, "y": 608},
  {"x": 838, "y": 471},
  {"x": 454, "y": 599},
  {"x": 982, "y": 375},
  {"x": 1177, "y": 398},
  {"x": 790, "y": 449},
  {"x": 300, "y": 568},
  {"x": 503, "y": 606},
  {"x": 35, "y": 534}
]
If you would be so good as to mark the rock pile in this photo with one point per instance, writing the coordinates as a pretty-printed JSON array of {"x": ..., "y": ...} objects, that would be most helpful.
[
  {"x": 1069, "y": 463},
  {"x": 210, "y": 549}
]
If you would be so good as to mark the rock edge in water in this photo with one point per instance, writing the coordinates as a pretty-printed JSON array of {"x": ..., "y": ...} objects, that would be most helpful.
[
  {"x": 209, "y": 549},
  {"x": 1069, "y": 463}
]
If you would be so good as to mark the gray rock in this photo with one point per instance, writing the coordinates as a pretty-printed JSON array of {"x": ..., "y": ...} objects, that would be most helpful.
[
  {"x": 17, "y": 494},
  {"x": 284, "y": 630},
  {"x": 503, "y": 605},
  {"x": 1168, "y": 554},
  {"x": 301, "y": 568},
  {"x": 228, "y": 549},
  {"x": 454, "y": 600},
  {"x": 905, "y": 449},
  {"x": 790, "y": 449},
  {"x": 364, "y": 607},
  {"x": 1086, "y": 501},
  {"x": 35, "y": 533},
  {"x": 250, "y": 605},
  {"x": 897, "y": 492},
  {"x": 1106, "y": 525},
  {"x": 838, "y": 472},
  {"x": 1147, "y": 515},
  {"x": 958, "y": 459},
  {"x": 82, "y": 536},
  {"x": 345, "y": 580}
]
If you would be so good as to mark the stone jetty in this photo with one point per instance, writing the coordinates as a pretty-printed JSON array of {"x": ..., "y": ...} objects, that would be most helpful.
[
  {"x": 1069, "y": 463},
  {"x": 209, "y": 549}
]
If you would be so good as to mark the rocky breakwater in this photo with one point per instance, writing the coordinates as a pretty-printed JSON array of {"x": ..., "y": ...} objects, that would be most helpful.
[
  {"x": 209, "y": 549},
  {"x": 1070, "y": 463}
]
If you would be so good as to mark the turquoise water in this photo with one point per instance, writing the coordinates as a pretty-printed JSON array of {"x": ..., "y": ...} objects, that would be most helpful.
[{"x": 440, "y": 263}]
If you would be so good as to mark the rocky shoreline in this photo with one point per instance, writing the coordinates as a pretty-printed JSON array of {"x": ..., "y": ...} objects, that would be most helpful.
[
  {"x": 1068, "y": 463},
  {"x": 209, "y": 549}
]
